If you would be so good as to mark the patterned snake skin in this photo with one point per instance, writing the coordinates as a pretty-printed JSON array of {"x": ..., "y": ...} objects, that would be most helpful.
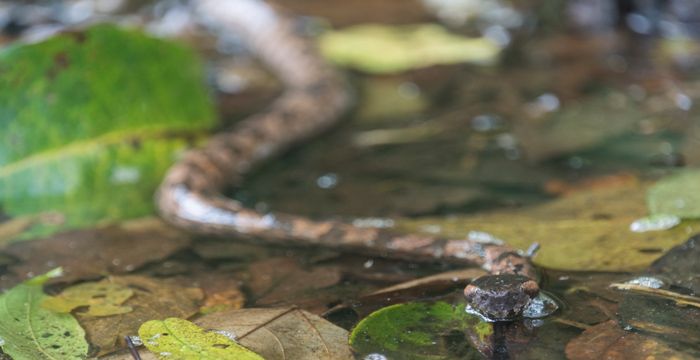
[{"x": 315, "y": 97}]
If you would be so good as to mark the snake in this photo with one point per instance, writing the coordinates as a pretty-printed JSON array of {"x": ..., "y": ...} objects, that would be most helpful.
[{"x": 192, "y": 195}]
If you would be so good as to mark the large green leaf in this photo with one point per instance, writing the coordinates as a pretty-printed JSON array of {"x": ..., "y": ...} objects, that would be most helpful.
[
  {"x": 31, "y": 332},
  {"x": 92, "y": 119},
  {"x": 421, "y": 331},
  {"x": 181, "y": 339}
]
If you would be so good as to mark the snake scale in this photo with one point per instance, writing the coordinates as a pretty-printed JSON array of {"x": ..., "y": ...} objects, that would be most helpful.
[{"x": 315, "y": 98}]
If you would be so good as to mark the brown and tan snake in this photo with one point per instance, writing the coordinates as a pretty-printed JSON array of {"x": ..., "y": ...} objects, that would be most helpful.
[{"x": 315, "y": 97}]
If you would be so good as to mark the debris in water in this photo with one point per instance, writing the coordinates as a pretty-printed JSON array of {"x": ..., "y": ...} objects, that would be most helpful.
[{"x": 655, "y": 223}]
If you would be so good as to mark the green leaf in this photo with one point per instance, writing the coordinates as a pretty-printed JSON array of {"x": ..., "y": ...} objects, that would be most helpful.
[
  {"x": 175, "y": 338},
  {"x": 418, "y": 331},
  {"x": 389, "y": 49},
  {"x": 28, "y": 331},
  {"x": 678, "y": 194},
  {"x": 91, "y": 120}
]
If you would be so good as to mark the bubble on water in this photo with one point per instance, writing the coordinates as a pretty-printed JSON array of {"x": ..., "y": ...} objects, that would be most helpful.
[
  {"x": 548, "y": 102},
  {"x": 486, "y": 122},
  {"x": 375, "y": 356},
  {"x": 541, "y": 306},
  {"x": 655, "y": 223},
  {"x": 647, "y": 281},
  {"x": 683, "y": 101},
  {"x": 327, "y": 181}
]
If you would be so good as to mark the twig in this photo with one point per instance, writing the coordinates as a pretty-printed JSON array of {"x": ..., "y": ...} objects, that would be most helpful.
[{"x": 680, "y": 299}]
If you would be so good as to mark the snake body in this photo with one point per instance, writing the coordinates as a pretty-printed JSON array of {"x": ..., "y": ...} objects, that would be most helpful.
[{"x": 314, "y": 99}]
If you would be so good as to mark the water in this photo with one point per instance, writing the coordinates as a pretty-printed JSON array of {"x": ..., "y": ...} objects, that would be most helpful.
[{"x": 555, "y": 143}]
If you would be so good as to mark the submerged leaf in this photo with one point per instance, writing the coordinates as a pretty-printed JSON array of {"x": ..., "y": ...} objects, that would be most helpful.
[
  {"x": 30, "y": 332},
  {"x": 418, "y": 331},
  {"x": 109, "y": 105},
  {"x": 182, "y": 340},
  {"x": 608, "y": 341},
  {"x": 101, "y": 299},
  {"x": 678, "y": 194},
  {"x": 389, "y": 49},
  {"x": 588, "y": 230},
  {"x": 88, "y": 254}
]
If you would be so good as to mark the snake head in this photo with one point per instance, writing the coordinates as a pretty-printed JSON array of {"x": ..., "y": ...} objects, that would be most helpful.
[{"x": 501, "y": 297}]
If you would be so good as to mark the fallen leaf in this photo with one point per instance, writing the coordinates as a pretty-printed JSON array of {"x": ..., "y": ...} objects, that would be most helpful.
[
  {"x": 100, "y": 298},
  {"x": 418, "y": 330},
  {"x": 282, "y": 333},
  {"x": 588, "y": 230},
  {"x": 274, "y": 334},
  {"x": 86, "y": 254},
  {"x": 282, "y": 282},
  {"x": 183, "y": 340},
  {"x": 678, "y": 194},
  {"x": 389, "y": 49},
  {"x": 153, "y": 299},
  {"x": 30, "y": 332},
  {"x": 608, "y": 341},
  {"x": 100, "y": 153}
]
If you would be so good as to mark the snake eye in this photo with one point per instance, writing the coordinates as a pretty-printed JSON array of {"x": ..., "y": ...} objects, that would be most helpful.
[{"x": 530, "y": 288}]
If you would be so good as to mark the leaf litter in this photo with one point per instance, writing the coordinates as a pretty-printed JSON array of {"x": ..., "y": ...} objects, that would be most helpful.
[{"x": 29, "y": 331}]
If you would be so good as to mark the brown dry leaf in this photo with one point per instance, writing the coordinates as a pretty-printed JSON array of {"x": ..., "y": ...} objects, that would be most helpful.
[
  {"x": 275, "y": 334},
  {"x": 153, "y": 299},
  {"x": 282, "y": 282},
  {"x": 588, "y": 230},
  {"x": 221, "y": 289},
  {"x": 283, "y": 333},
  {"x": 91, "y": 253},
  {"x": 608, "y": 341}
]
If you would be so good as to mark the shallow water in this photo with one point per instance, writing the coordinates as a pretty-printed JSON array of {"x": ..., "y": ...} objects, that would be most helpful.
[{"x": 556, "y": 142}]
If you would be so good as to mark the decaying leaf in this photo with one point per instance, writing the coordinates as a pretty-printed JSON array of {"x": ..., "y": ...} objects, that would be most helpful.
[
  {"x": 282, "y": 333},
  {"x": 31, "y": 332},
  {"x": 183, "y": 340},
  {"x": 588, "y": 230},
  {"x": 390, "y": 49},
  {"x": 282, "y": 282},
  {"x": 678, "y": 194},
  {"x": 153, "y": 299},
  {"x": 608, "y": 341},
  {"x": 91, "y": 253},
  {"x": 102, "y": 298},
  {"x": 274, "y": 334}
]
